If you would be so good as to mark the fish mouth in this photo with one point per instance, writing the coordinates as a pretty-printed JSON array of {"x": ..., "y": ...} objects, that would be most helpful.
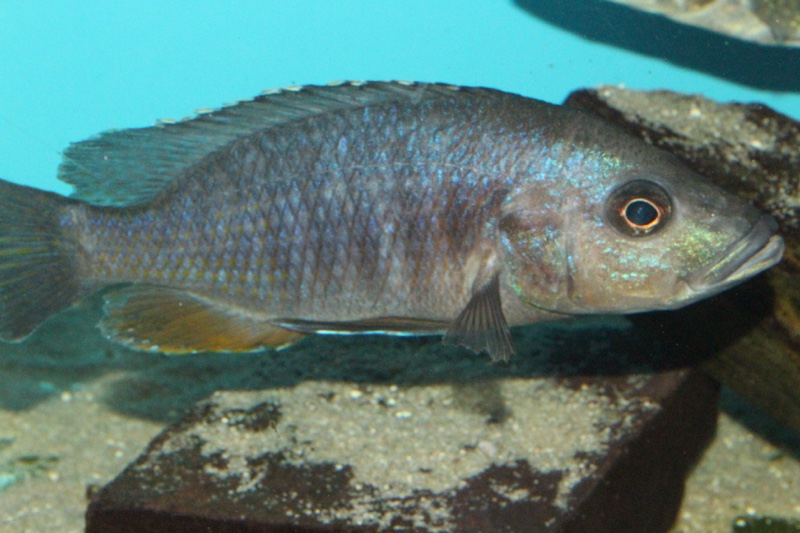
[{"x": 758, "y": 250}]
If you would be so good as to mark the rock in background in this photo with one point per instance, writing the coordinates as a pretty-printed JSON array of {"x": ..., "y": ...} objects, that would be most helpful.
[{"x": 773, "y": 22}]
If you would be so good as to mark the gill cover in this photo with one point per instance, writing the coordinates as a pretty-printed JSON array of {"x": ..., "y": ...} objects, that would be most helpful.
[{"x": 534, "y": 248}]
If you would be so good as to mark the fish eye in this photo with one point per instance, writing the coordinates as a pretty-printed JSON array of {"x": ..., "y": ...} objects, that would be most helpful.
[{"x": 639, "y": 208}]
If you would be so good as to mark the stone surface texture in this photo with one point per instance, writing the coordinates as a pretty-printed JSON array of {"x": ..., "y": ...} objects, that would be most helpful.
[{"x": 518, "y": 454}]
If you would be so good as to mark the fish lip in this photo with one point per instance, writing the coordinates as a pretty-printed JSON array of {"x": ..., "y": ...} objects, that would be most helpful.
[{"x": 760, "y": 249}]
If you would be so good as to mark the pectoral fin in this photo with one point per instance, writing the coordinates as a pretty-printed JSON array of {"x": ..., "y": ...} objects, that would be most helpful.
[
  {"x": 153, "y": 318},
  {"x": 481, "y": 326}
]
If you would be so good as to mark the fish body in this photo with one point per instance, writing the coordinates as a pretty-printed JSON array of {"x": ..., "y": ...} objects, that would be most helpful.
[{"x": 380, "y": 207}]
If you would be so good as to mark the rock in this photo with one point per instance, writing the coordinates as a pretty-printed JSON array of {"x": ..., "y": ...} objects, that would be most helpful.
[
  {"x": 749, "y": 336},
  {"x": 774, "y": 22},
  {"x": 578, "y": 454}
]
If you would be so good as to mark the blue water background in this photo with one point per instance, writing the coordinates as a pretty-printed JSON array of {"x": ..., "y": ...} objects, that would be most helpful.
[{"x": 71, "y": 69}]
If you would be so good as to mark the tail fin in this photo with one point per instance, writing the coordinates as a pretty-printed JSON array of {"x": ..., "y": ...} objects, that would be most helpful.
[{"x": 38, "y": 276}]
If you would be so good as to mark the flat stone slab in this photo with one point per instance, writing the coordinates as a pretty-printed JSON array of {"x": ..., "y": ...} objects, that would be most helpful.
[{"x": 514, "y": 453}]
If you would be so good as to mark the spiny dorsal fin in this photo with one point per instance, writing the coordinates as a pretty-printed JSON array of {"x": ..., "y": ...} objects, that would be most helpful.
[
  {"x": 131, "y": 166},
  {"x": 482, "y": 325},
  {"x": 171, "y": 321}
]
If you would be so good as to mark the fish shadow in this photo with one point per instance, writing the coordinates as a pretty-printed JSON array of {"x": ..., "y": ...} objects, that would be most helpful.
[
  {"x": 69, "y": 355},
  {"x": 764, "y": 67}
]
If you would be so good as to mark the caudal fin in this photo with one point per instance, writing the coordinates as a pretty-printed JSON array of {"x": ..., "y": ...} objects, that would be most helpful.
[{"x": 37, "y": 268}]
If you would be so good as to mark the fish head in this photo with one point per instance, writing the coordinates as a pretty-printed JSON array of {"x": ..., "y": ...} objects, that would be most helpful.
[{"x": 626, "y": 238}]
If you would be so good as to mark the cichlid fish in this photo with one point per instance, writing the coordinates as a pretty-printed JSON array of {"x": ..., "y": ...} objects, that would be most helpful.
[{"x": 396, "y": 208}]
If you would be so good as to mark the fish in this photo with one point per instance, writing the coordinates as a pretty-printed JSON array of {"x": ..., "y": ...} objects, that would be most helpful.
[{"x": 399, "y": 208}]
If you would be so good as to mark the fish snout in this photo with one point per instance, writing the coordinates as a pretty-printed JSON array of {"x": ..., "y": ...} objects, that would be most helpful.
[{"x": 758, "y": 250}]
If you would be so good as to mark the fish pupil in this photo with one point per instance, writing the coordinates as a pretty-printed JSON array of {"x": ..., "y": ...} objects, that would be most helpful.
[
  {"x": 641, "y": 212},
  {"x": 639, "y": 208}
]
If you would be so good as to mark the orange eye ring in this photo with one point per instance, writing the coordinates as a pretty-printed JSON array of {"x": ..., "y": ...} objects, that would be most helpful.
[
  {"x": 641, "y": 214},
  {"x": 638, "y": 208}
]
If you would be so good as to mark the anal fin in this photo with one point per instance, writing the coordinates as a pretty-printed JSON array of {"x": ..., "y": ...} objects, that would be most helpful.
[
  {"x": 481, "y": 325},
  {"x": 146, "y": 317}
]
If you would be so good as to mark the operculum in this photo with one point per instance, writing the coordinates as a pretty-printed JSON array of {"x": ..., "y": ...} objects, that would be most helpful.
[{"x": 534, "y": 257}]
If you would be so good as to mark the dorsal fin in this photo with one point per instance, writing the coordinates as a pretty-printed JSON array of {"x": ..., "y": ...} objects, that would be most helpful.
[{"x": 131, "y": 166}]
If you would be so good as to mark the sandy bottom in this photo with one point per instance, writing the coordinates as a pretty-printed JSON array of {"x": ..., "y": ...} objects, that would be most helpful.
[
  {"x": 752, "y": 468},
  {"x": 70, "y": 423},
  {"x": 60, "y": 449}
]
